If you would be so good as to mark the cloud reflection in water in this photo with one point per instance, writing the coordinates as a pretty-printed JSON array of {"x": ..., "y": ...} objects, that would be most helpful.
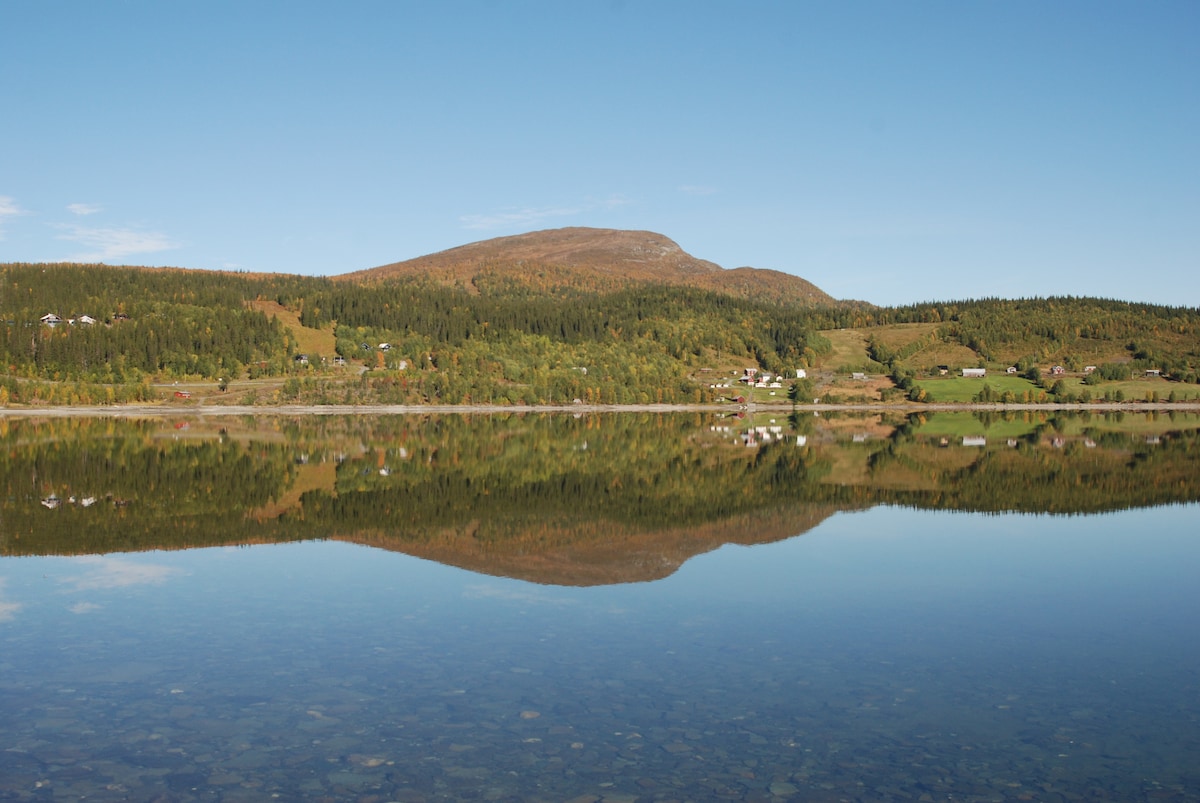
[{"x": 107, "y": 572}]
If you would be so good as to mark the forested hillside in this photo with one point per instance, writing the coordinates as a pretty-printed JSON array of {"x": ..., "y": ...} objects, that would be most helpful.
[
  {"x": 629, "y": 319},
  {"x": 121, "y": 326},
  {"x": 420, "y": 341},
  {"x": 1073, "y": 331}
]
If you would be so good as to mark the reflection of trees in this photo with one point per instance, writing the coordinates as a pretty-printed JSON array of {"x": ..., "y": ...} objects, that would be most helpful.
[
  {"x": 552, "y": 498},
  {"x": 125, "y": 485},
  {"x": 1042, "y": 472},
  {"x": 650, "y": 470},
  {"x": 1077, "y": 480}
]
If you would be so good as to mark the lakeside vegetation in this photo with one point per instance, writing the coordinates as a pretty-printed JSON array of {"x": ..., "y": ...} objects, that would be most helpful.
[{"x": 129, "y": 334}]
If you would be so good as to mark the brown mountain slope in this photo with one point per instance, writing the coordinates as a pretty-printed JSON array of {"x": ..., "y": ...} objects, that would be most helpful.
[{"x": 594, "y": 259}]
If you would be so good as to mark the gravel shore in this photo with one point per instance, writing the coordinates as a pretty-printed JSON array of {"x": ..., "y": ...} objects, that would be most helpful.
[{"x": 167, "y": 409}]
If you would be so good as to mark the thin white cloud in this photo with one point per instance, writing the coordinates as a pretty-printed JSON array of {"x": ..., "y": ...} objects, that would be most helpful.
[
  {"x": 532, "y": 216},
  {"x": 108, "y": 572},
  {"x": 611, "y": 202},
  {"x": 516, "y": 217},
  {"x": 105, "y": 244},
  {"x": 83, "y": 209},
  {"x": 696, "y": 189},
  {"x": 8, "y": 208}
]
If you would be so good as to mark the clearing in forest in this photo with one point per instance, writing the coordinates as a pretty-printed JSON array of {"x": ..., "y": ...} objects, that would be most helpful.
[
  {"x": 308, "y": 340},
  {"x": 848, "y": 348}
]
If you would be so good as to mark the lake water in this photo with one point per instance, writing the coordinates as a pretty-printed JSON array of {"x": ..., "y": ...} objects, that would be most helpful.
[{"x": 840, "y": 635}]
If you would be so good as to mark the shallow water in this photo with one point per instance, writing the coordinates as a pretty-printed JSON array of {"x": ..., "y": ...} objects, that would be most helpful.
[{"x": 891, "y": 654}]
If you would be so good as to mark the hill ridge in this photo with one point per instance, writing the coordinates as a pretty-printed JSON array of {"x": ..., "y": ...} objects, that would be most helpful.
[{"x": 587, "y": 257}]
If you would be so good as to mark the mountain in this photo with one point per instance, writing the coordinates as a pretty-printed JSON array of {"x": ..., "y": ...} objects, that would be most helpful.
[
  {"x": 593, "y": 259},
  {"x": 599, "y": 315}
]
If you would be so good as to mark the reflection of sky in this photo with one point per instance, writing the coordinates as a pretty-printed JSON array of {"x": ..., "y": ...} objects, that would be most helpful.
[
  {"x": 886, "y": 553},
  {"x": 40, "y": 581},
  {"x": 7, "y": 609},
  {"x": 525, "y": 594},
  {"x": 84, "y": 607},
  {"x": 888, "y": 566},
  {"x": 105, "y": 572},
  {"x": 871, "y": 628}
]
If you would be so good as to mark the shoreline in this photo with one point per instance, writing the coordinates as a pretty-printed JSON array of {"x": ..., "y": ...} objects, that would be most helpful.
[{"x": 163, "y": 410}]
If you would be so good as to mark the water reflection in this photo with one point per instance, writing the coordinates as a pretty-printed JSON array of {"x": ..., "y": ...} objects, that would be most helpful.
[
  {"x": 327, "y": 643},
  {"x": 892, "y": 654},
  {"x": 113, "y": 572},
  {"x": 555, "y": 499}
]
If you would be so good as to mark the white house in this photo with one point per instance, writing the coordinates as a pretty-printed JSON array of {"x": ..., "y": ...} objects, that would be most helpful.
[
  {"x": 801, "y": 373},
  {"x": 975, "y": 372},
  {"x": 50, "y": 319}
]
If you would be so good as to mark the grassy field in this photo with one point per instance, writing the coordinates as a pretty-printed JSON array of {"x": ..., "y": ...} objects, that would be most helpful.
[
  {"x": 849, "y": 348},
  {"x": 309, "y": 341},
  {"x": 1139, "y": 390},
  {"x": 933, "y": 353},
  {"x": 897, "y": 336},
  {"x": 958, "y": 389},
  {"x": 964, "y": 389},
  {"x": 939, "y": 353}
]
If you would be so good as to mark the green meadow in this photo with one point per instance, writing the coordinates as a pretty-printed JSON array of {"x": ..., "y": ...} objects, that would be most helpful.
[{"x": 965, "y": 389}]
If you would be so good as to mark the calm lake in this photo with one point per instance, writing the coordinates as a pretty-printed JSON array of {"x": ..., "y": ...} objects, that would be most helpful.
[{"x": 601, "y": 608}]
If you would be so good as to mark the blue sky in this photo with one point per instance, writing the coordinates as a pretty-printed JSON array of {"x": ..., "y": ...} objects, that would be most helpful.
[{"x": 888, "y": 151}]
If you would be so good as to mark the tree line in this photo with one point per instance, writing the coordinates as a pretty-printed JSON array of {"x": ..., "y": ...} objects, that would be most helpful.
[{"x": 496, "y": 339}]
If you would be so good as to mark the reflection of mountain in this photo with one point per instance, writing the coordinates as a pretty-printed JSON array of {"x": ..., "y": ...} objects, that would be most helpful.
[
  {"x": 555, "y": 499},
  {"x": 598, "y": 552}
]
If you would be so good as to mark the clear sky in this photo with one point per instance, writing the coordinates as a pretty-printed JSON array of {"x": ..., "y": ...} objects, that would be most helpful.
[{"x": 888, "y": 151}]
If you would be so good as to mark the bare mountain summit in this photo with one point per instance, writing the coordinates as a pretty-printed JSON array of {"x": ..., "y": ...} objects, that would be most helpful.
[{"x": 593, "y": 259}]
